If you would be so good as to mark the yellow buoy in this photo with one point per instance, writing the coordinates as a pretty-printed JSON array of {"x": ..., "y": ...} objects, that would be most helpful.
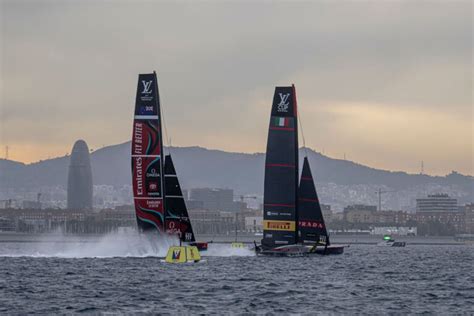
[
  {"x": 182, "y": 254},
  {"x": 237, "y": 245}
]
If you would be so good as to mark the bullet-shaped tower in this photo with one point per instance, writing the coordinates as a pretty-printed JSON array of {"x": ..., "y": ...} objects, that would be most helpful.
[{"x": 79, "y": 182}]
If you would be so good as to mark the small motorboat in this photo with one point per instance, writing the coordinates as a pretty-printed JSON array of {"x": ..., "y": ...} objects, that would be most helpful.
[{"x": 388, "y": 241}]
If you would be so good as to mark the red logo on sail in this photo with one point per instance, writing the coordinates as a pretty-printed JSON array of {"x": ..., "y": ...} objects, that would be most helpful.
[{"x": 311, "y": 224}]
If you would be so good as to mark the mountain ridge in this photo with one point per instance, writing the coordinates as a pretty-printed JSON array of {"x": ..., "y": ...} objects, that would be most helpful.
[{"x": 110, "y": 165}]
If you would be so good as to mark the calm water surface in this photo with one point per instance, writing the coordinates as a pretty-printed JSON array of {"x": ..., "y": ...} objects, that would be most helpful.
[{"x": 366, "y": 279}]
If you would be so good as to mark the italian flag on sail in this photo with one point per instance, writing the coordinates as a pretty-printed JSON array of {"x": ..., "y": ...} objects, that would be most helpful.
[{"x": 281, "y": 121}]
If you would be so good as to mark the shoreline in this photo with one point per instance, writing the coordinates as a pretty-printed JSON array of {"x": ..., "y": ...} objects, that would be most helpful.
[{"x": 9, "y": 237}]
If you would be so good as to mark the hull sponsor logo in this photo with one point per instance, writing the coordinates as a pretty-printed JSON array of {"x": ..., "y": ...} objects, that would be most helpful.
[
  {"x": 283, "y": 105},
  {"x": 188, "y": 236},
  {"x": 279, "y": 225}
]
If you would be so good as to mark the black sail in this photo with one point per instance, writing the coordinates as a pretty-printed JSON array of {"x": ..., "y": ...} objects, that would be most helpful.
[
  {"x": 147, "y": 162},
  {"x": 310, "y": 217},
  {"x": 281, "y": 171},
  {"x": 176, "y": 215}
]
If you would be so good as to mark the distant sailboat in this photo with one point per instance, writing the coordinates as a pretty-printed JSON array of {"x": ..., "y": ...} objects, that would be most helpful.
[
  {"x": 159, "y": 204},
  {"x": 292, "y": 217}
]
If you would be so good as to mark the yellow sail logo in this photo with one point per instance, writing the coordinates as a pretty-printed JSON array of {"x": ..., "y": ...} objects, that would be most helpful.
[{"x": 279, "y": 225}]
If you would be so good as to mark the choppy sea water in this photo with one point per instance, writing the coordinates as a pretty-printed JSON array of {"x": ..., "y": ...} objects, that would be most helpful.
[{"x": 366, "y": 279}]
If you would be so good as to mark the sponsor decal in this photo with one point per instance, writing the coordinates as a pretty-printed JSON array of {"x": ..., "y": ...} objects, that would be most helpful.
[
  {"x": 147, "y": 90},
  {"x": 283, "y": 105},
  {"x": 173, "y": 228},
  {"x": 281, "y": 121},
  {"x": 145, "y": 109},
  {"x": 156, "y": 204},
  {"x": 310, "y": 224},
  {"x": 188, "y": 236},
  {"x": 281, "y": 242},
  {"x": 138, "y": 138},
  {"x": 152, "y": 174},
  {"x": 152, "y": 177},
  {"x": 139, "y": 175},
  {"x": 146, "y": 86},
  {"x": 279, "y": 225},
  {"x": 176, "y": 254},
  {"x": 145, "y": 140},
  {"x": 146, "y": 180},
  {"x": 152, "y": 186},
  {"x": 278, "y": 213}
]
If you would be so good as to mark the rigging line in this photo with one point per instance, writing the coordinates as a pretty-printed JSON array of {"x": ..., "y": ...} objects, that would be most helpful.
[
  {"x": 302, "y": 134},
  {"x": 166, "y": 138}
]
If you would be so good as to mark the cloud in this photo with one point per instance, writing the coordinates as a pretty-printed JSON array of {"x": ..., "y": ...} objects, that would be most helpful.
[{"x": 69, "y": 68}]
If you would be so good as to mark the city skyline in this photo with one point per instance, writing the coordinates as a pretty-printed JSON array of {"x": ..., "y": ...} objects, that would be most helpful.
[{"x": 388, "y": 91}]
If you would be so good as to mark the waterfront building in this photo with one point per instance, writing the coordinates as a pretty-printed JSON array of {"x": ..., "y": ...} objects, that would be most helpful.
[
  {"x": 360, "y": 207},
  {"x": 437, "y": 203},
  {"x": 254, "y": 224},
  {"x": 469, "y": 218},
  {"x": 360, "y": 213},
  {"x": 215, "y": 199}
]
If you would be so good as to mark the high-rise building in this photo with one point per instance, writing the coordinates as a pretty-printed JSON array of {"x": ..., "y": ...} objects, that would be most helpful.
[
  {"x": 437, "y": 203},
  {"x": 79, "y": 182}
]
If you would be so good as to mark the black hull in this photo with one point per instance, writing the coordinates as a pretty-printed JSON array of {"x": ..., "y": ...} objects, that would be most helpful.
[
  {"x": 330, "y": 250},
  {"x": 299, "y": 251},
  {"x": 283, "y": 251}
]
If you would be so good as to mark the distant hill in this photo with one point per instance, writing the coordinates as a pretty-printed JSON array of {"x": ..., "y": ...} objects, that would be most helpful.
[{"x": 201, "y": 167}]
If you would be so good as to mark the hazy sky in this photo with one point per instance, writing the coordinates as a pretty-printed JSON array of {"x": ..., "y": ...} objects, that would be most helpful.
[{"x": 387, "y": 83}]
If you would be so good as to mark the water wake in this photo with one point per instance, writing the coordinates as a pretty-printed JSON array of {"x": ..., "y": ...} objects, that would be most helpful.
[
  {"x": 226, "y": 250},
  {"x": 118, "y": 244}
]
